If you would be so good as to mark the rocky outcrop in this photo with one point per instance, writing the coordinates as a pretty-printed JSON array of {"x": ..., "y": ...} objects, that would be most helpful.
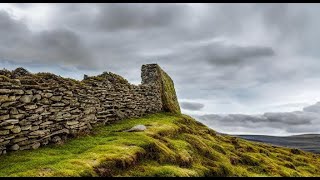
[{"x": 38, "y": 109}]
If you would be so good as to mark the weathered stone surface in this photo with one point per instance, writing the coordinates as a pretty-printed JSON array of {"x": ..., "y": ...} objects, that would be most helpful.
[
  {"x": 26, "y": 98},
  {"x": 14, "y": 111},
  {"x": 4, "y": 98},
  {"x": 8, "y": 127},
  {"x": 17, "y": 116},
  {"x": 46, "y": 123},
  {"x": 27, "y": 127},
  {"x": 35, "y": 145},
  {"x": 14, "y": 147},
  {"x": 17, "y": 91},
  {"x": 5, "y": 91},
  {"x": 34, "y": 128},
  {"x": 36, "y": 97},
  {"x": 25, "y": 147},
  {"x": 38, "y": 133},
  {"x": 56, "y": 139},
  {"x": 4, "y": 117},
  {"x": 12, "y": 121},
  {"x": 4, "y": 132},
  {"x": 19, "y": 140},
  {"x": 30, "y": 107},
  {"x": 8, "y": 104},
  {"x": 137, "y": 128},
  {"x": 4, "y": 143},
  {"x": 39, "y": 110},
  {"x": 70, "y": 123},
  {"x": 58, "y": 105},
  {"x": 47, "y": 95},
  {"x": 16, "y": 129},
  {"x": 56, "y": 98}
]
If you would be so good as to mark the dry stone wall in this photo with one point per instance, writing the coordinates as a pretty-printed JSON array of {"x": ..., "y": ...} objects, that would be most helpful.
[{"x": 38, "y": 109}]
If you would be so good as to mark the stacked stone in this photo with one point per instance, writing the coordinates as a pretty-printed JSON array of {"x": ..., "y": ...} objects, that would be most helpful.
[{"x": 38, "y": 109}]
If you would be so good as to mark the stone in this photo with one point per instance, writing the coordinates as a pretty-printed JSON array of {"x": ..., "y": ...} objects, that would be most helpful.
[
  {"x": 46, "y": 123},
  {"x": 34, "y": 128},
  {"x": 16, "y": 129},
  {"x": 71, "y": 123},
  {"x": 58, "y": 105},
  {"x": 39, "y": 110},
  {"x": 34, "y": 117},
  {"x": 11, "y": 98},
  {"x": 45, "y": 101},
  {"x": 47, "y": 95},
  {"x": 30, "y": 107},
  {"x": 8, "y": 127},
  {"x": 4, "y": 143},
  {"x": 25, "y": 147},
  {"x": 26, "y": 98},
  {"x": 62, "y": 115},
  {"x": 14, "y": 147},
  {"x": 27, "y": 127},
  {"x": 4, "y": 111},
  {"x": 12, "y": 121},
  {"x": 38, "y": 133},
  {"x": 7, "y": 104},
  {"x": 19, "y": 140},
  {"x": 56, "y": 139},
  {"x": 56, "y": 98},
  {"x": 137, "y": 128},
  {"x": 89, "y": 110},
  {"x": 4, "y": 98},
  {"x": 17, "y": 116},
  {"x": 4, "y": 117},
  {"x": 35, "y": 145},
  {"x": 36, "y": 97},
  {"x": 24, "y": 122},
  {"x": 17, "y": 92},
  {"x": 9, "y": 137},
  {"x": 5, "y": 91},
  {"x": 29, "y": 92},
  {"x": 4, "y": 132},
  {"x": 14, "y": 111}
]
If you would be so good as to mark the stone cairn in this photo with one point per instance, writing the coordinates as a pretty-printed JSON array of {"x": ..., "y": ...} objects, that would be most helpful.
[{"x": 38, "y": 109}]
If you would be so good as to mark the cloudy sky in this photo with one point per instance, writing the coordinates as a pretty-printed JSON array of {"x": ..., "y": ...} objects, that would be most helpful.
[{"x": 253, "y": 61}]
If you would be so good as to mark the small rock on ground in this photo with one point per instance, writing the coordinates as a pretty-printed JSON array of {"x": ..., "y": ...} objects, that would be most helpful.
[{"x": 137, "y": 128}]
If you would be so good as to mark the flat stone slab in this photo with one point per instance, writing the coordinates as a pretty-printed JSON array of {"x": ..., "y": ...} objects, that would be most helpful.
[{"x": 137, "y": 128}]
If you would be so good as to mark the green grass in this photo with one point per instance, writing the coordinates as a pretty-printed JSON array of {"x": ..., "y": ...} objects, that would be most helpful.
[{"x": 172, "y": 145}]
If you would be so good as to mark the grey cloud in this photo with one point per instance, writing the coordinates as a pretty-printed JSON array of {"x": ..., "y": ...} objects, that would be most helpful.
[
  {"x": 191, "y": 106},
  {"x": 313, "y": 108},
  {"x": 113, "y": 17},
  {"x": 305, "y": 121},
  {"x": 233, "y": 55},
  {"x": 61, "y": 46},
  {"x": 139, "y": 16}
]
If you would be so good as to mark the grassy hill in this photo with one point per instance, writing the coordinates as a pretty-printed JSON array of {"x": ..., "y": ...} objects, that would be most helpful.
[{"x": 172, "y": 145}]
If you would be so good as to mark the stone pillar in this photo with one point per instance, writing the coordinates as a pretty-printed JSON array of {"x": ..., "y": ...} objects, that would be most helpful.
[{"x": 153, "y": 74}]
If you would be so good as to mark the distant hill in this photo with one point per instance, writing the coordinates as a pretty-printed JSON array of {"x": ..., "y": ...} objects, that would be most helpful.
[{"x": 306, "y": 142}]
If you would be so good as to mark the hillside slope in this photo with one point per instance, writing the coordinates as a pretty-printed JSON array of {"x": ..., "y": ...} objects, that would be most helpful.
[{"x": 172, "y": 145}]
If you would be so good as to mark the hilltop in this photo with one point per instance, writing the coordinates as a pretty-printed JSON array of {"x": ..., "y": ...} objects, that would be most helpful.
[{"x": 172, "y": 145}]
